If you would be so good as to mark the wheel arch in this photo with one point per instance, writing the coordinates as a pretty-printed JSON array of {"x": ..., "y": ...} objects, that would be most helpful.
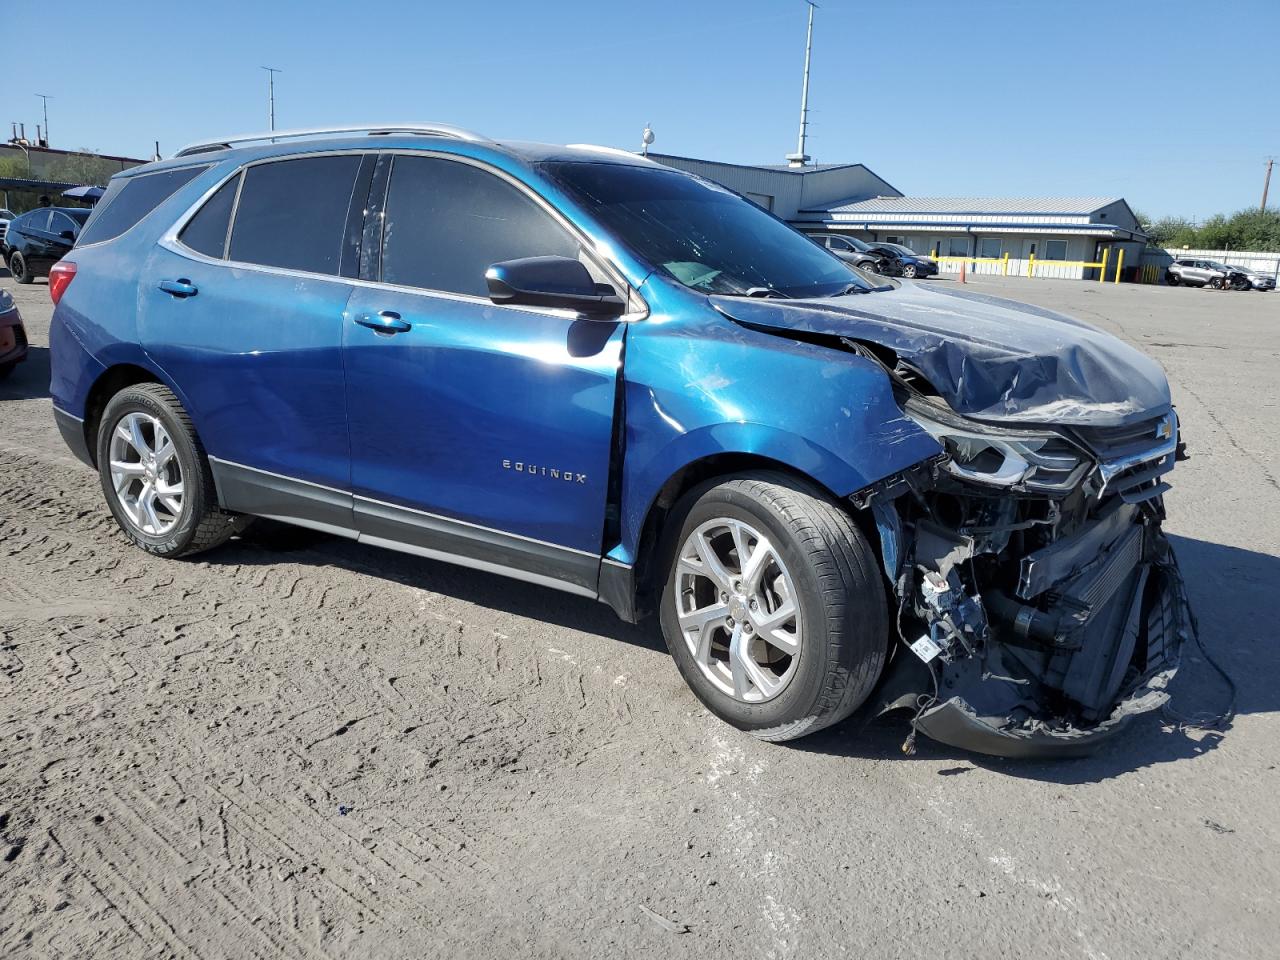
[
  {"x": 111, "y": 381},
  {"x": 652, "y": 545}
]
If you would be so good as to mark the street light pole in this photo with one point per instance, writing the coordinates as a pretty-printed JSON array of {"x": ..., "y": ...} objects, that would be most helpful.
[
  {"x": 1266, "y": 183},
  {"x": 271, "y": 94}
]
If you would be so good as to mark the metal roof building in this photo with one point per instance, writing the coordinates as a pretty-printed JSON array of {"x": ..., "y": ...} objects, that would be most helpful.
[
  {"x": 850, "y": 198},
  {"x": 787, "y": 190}
]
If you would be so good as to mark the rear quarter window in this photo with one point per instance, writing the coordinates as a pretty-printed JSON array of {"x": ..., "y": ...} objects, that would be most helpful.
[
  {"x": 122, "y": 207},
  {"x": 206, "y": 232}
]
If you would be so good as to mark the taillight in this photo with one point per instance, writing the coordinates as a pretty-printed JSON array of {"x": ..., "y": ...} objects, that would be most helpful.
[{"x": 60, "y": 276}]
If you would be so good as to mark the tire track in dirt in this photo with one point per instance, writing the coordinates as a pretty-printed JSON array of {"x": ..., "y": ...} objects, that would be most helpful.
[{"x": 118, "y": 666}]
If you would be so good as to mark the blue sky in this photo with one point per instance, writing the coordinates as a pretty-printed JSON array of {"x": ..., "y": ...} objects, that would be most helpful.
[{"x": 1169, "y": 104}]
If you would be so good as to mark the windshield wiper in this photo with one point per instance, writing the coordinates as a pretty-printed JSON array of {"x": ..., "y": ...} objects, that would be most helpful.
[{"x": 765, "y": 292}]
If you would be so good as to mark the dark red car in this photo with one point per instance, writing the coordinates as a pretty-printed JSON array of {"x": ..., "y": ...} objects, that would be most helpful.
[{"x": 13, "y": 335}]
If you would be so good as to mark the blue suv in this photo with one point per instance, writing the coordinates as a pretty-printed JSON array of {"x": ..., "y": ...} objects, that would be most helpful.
[{"x": 579, "y": 368}]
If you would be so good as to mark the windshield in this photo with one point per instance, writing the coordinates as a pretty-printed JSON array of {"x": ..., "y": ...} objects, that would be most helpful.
[
  {"x": 79, "y": 216},
  {"x": 702, "y": 235},
  {"x": 1215, "y": 265},
  {"x": 899, "y": 249}
]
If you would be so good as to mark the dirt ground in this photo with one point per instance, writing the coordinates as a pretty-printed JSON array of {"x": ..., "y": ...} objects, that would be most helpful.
[{"x": 300, "y": 747}]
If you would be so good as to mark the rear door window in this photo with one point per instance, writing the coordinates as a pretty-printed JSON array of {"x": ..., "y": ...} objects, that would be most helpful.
[
  {"x": 293, "y": 213},
  {"x": 122, "y": 207},
  {"x": 206, "y": 232},
  {"x": 37, "y": 220},
  {"x": 447, "y": 222}
]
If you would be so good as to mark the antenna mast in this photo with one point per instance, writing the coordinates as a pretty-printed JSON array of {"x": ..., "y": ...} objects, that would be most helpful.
[{"x": 800, "y": 158}]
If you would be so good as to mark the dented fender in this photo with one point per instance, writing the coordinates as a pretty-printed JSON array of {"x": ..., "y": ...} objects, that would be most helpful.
[{"x": 709, "y": 387}]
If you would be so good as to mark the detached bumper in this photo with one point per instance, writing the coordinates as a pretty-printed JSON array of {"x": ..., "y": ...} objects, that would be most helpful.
[{"x": 1156, "y": 622}]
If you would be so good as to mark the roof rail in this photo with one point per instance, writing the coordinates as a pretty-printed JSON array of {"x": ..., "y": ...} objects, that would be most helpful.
[{"x": 423, "y": 129}]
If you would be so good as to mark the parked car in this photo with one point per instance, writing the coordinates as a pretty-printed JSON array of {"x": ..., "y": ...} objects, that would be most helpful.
[
  {"x": 39, "y": 238},
  {"x": 1258, "y": 281},
  {"x": 1200, "y": 273},
  {"x": 896, "y": 260},
  {"x": 13, "y": 335},
  {"x": 851, "y": 250},
  {"x": 580, "y": 368},
  {"x": 5, "y": 217}
]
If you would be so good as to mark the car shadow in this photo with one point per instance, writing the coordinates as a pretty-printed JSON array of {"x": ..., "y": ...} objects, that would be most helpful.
[
  {"x": 1228, "y": 588},
  {"x": 268, "y": 542},
  {"x": 30, "y": 379}
]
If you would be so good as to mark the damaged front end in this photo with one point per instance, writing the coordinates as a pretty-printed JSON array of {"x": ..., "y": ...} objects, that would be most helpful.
[{"x": 1039, "y": 600}]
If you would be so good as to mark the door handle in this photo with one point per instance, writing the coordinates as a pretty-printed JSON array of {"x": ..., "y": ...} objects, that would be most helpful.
[
  {"x": 388, "y": 321},
  {"x": 179, "y": 288}
]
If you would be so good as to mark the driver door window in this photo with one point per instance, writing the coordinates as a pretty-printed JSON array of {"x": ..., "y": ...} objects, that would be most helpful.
[{"x": 447, "y": 222}]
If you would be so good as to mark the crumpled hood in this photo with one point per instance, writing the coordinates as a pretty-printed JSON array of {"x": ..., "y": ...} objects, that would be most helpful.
[{"x": 990, "y": 358}]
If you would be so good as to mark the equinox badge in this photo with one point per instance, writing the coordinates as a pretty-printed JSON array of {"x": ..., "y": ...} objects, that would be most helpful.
[{"x": 568, "y": 476}]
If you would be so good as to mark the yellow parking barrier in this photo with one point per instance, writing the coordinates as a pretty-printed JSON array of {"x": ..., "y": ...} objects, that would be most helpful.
[
  {"x": 1099, "y": 265},
  {"x": 1003, "y": 261},
  {"x": 1119, "y": 264}
]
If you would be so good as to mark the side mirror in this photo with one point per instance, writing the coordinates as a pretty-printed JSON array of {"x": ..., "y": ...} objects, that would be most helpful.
[
  {"x": 67, "y": 235},
  {"x": 552, "y": 282}
]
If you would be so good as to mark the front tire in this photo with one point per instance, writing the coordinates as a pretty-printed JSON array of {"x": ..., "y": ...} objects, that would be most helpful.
[
  {"x": 19, "y": 268},
  {"x": 773, "y": 609},
  {"x": 909, "y": 271},
  {"x": 1172, "y": 279},
  {"x": 156, "y": 477}
]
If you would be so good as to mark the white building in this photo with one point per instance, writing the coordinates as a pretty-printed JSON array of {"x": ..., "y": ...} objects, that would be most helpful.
[
  {"x": 1060, "y": 232},
  {"x": 1053, "y": 229}
]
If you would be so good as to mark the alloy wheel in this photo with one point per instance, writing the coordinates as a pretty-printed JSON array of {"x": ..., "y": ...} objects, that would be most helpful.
[
  {"x": 738, "y": 611},
  {"x": 146, "y": 474},
  {"x": 909, "y": 272}
]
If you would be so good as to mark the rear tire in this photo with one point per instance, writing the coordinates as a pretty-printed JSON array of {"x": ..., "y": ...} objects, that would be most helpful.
[
  {"x": 156, "y": 477},
  {"x": 7, "y": 368},
  {"x": 833, "y": 647},
  {"x": 19, "y": 269}
]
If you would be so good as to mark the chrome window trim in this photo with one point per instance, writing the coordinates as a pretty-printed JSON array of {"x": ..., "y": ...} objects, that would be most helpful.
[{"x": 169, "y": 239}]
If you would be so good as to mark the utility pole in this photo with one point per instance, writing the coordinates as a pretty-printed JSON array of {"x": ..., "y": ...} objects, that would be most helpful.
[
  {"x": 800, "y": 158},
  {"x": 1266, "y": 182},
  {"x": 271, "y": 93},
  {"x": 46, "y": 98}
]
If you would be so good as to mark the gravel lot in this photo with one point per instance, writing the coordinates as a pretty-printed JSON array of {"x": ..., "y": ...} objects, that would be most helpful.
[{"x": 300, "y": 747}]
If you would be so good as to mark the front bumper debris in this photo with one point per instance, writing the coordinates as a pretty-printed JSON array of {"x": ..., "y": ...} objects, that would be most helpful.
[{"x": 1031, "y": 625}]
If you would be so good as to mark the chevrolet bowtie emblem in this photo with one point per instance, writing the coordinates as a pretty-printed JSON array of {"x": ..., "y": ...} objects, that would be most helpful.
[{"x": 1164, "y": 430}]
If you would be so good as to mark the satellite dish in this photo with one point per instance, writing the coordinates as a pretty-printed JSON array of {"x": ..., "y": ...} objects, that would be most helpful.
[{"x": 646, "y": 138}]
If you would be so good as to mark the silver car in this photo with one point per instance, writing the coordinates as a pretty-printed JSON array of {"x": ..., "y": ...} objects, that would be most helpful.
[
  {"x": 1201, "y": 273},
  {"x": 1259, "y": 281}
]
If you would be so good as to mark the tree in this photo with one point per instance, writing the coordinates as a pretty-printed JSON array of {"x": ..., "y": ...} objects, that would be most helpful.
[
  {"x": 85, "y": 168},
  {"x": 1249, "y": 229}
]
